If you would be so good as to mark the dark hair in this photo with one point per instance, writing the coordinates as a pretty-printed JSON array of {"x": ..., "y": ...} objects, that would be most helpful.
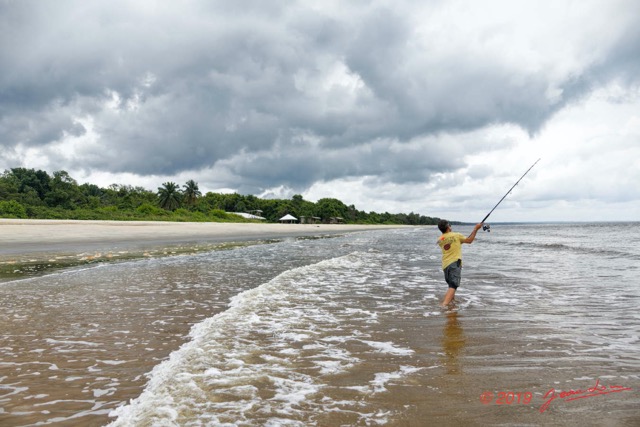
[{"x": 443, "y": 225}]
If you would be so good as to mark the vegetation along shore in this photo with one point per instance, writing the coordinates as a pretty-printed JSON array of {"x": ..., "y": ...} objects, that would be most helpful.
[{"x": 34, "y": 194}]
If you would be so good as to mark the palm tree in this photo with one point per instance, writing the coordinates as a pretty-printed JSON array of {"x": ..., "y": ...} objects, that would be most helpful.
[
  {"x": 169, "y": 196},
  {"x": 191, "y": 192}
]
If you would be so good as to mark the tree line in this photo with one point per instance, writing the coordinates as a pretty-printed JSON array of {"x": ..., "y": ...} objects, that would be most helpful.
[{"x": 30, "y": 193}]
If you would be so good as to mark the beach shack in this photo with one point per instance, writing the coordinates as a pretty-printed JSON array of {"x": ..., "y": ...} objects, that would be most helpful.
[
  {"x": 288, "y": 219},
  {"x": 310, "y": 220}
]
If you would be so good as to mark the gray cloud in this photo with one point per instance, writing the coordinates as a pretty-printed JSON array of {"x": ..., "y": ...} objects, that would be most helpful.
[{"x": 271, "y": 93}]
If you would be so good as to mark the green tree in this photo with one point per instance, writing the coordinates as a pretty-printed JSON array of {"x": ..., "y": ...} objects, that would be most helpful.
[
  {"x": 297, "y": 206},
  {"x": 240, "y": 207},
  {"x": 8, "y": 188},
  {"x": 269, "y": 209},
  {"x": 26, "y": 186},
  {"x": 251, "y": 202},
  {"x": 64, "y": 193},
  {"x": 327, "y": 208},
  {"x": 231, "y": 201},
  {"x": 12, "y": 209},
  {"x": 30, "y": 179},
  {"x": 285, "y": 207},
  {"x": 169, "y": 196},
  {"x": 191, "y": 193}
]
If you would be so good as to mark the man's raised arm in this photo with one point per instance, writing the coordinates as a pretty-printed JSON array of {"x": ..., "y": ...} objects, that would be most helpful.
[{"x": 472, "y": 236}]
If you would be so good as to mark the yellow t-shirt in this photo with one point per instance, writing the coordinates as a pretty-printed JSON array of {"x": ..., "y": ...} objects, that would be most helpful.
[{"x": 451, "y": 245}]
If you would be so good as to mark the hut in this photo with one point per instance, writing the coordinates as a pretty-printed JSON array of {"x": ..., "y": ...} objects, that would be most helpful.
[
  {"x": 309, "y": 220},
  {"x": 288, "y": 219}
]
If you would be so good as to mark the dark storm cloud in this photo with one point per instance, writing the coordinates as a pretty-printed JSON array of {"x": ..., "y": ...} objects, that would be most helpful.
[
  {"x": 231, "y": 86},
  {"x": 430, "y": 93},
  {"x": 302, "y": 165}
]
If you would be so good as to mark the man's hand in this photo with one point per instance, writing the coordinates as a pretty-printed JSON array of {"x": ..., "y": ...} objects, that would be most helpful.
[{"x": 472, "y": 236}]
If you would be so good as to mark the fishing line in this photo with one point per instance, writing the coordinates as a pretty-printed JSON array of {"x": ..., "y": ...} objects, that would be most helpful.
[{"x": 487, "y": 227}]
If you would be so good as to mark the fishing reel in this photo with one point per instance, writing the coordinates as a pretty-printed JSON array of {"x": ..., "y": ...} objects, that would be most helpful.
[{"x": 486, "y": 227}]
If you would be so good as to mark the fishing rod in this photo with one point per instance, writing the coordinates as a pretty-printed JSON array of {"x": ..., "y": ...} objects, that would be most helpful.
[{"x": 488, "y": 227}]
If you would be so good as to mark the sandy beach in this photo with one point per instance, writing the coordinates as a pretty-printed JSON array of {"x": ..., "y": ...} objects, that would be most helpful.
[
  {"x": 32, "y": 246},
  {"x": 25, "y": 236}
]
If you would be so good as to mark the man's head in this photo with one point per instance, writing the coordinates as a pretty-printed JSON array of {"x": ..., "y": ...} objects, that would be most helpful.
[{"x": 443, "y": 225}]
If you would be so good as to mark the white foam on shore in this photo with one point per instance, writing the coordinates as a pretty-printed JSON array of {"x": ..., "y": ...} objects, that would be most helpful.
[
  {"x": 389, "y": 347},
  {"x": 383, "y": 378},
  {"x": 269, "y": 359}
]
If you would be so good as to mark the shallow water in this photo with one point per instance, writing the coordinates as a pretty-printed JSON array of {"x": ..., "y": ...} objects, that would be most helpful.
[{"x": 340, "y": 331}]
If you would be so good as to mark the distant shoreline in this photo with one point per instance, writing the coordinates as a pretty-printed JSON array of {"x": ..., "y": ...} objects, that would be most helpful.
[
  {"x": 33, "y": 245},
  {"x": 34, "y": 235}
]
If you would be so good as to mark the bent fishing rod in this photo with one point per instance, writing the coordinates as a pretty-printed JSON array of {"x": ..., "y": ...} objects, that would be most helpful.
[{"x": 487, "y": 227}]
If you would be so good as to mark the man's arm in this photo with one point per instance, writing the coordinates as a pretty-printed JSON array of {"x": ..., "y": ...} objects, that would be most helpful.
[{"x": 472, "y": 236}]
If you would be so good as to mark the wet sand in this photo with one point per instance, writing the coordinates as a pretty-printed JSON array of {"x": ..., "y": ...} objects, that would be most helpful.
[
  {"x": 36, "y": 236},
  {"x": 32, "y": 247},
  {"x": 75, "y": 347}
]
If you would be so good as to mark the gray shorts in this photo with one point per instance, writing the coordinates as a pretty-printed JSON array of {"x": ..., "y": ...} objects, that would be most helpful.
[{"x": 453, "y": 274}]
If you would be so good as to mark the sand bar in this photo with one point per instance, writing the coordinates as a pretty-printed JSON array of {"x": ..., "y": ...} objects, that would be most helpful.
[{"x": 22, "y": 237}]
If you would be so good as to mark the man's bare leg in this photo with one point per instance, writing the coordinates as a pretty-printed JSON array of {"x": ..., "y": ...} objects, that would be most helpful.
[{"x": 448, "y": 297}]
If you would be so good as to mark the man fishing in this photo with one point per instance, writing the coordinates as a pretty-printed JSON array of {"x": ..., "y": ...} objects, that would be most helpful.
[{"x": 451, "y": 245}]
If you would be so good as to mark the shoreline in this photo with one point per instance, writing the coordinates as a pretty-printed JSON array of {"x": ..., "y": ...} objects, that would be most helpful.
[
  {"x": 22, "y": 236},
  {"x": 31, "y": 247}
]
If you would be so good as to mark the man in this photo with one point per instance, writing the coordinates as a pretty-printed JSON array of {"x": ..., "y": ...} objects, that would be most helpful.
[{"x": 451, "y": 245}]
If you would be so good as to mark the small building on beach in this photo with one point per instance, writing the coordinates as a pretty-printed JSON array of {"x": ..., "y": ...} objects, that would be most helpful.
[
  {"x": 288, "y": 219},
  {"x": 248, "y": 215},
  {"x": 310, "y": 220}
]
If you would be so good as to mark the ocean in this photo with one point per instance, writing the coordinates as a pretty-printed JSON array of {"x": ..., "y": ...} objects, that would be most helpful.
[{"x": 335, "y": 331}]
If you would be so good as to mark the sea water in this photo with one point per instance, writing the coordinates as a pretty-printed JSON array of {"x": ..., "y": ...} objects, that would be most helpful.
[{"x": 335, "y": 331}]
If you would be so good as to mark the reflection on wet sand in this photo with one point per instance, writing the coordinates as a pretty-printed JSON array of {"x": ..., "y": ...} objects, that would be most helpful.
[{"x": 453, "y": 342}]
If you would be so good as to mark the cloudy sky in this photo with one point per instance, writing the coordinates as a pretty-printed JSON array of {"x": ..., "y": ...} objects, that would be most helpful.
[{"x": 430, "y": 106}]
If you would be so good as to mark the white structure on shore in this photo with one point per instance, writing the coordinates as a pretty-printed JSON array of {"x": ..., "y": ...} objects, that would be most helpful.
[
  {"x": 288, "y": 218},
  {"x": 247, "y": 215}
]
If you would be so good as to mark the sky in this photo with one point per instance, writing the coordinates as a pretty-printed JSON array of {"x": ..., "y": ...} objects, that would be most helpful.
[{"x": 429, "y": 106}]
